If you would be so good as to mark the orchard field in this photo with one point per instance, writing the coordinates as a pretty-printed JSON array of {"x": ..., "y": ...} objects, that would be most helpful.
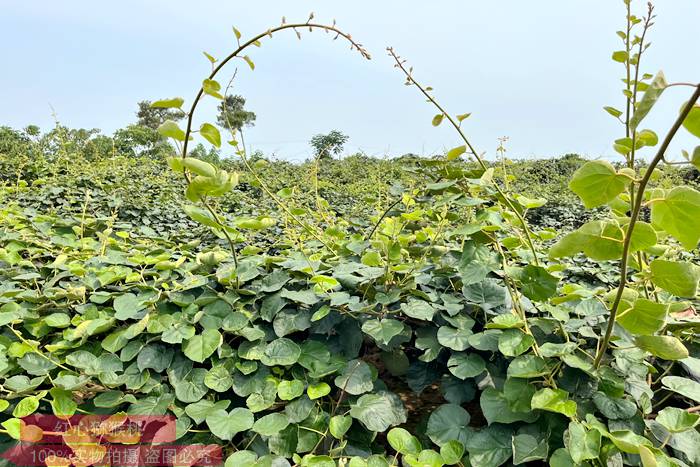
[{"x": 352, "y": 310}]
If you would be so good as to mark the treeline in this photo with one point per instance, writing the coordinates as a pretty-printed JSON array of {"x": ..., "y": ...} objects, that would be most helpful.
[{"x": 139, "y": 139}]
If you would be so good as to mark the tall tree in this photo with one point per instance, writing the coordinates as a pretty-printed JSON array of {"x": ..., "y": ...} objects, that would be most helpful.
[
  {"x": 328, "y": 145},
  {"x": 153, "y": 117},
  {"x": 232, "y": 114},
  {"x": 141, "y": 141}
]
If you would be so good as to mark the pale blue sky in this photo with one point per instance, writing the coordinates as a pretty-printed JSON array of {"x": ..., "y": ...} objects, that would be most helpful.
[{"x": 538, "y": 71}]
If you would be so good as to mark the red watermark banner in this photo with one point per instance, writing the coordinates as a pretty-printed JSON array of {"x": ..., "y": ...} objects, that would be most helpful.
[
  {"x": 128, "y": 429},
  {"x": 41, "y": 455},
  {"x": 114, "y": 440}
]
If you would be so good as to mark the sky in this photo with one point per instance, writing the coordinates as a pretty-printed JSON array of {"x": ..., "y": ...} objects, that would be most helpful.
[{"x": 536, "y": 71}]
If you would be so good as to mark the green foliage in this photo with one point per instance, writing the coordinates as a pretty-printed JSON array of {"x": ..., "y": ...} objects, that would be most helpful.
[
  {"x": 356, "y": 312},
  {"x": 598, "y": 183},
  {"x": 232, "y": 114},
  {"x": 328, "y": 145},
  {"x": 152, "y": 115}
]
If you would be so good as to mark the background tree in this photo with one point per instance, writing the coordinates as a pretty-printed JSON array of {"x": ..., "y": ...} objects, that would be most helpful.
[
  {"x": 141, "y": 141},
  {"x": 32, "y": 130},
  {"x": 232, "y": 114},
  {"x": 328, "y": 145},
  {"x": 12, "y": 142},
  {"x": 211, "y": 155},
  {"x": 153, "y": 117}
]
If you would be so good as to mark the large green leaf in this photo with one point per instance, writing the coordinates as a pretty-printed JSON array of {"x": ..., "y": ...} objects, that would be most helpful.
[
  {"x": 178, "y": 332},
  {"x": 426, "y": 458},
  {"x": 550, "y": 349},
  {"x": 476, "y": 262},
  {"x": 403, "y": 442},
  {"x": 299, "y": 409},
  {"x": 379, "y": 411},
  {"x": 651, "y": 95},
  {"x": 599, "y": 240},
  {"x": 126, "y": 306},
  {"x": 383, "y": 330},
  {"x": 291, "y": 321},
  {"x": 643, "y": 236},
  {"x": 305, "y": 297},
  {"x": 211, "y": 134},
  {"x": 155, "y": 405},
  {"x": 452, "y": 452},
  {"x": 201, "y": 215},
  {"x": 448, "y": 422},
  {"x": 282, "y": 351},
  {"x": 643, "y": 317},
  {"x": 488, "y": 294},
  {"x": 614, "y": 408},
  {"x": 241, "y": 459},
  {"x": 554, "y": 400},
  {"x": 514, "y": 342},
  {"x": 202, "y": 346},
  {"x": 561, "y": 458},
  {"x": 677, "y": 420},
  {"x": 339, "y": 425},
  {"x": 597, "y": 183},
  {"x": 225, "y": 425},
  {"x": 418, "y": 309},
  {"x": 35, "y": 364},
  {"x": 25, "y": 407},
  {"x": 518, "y": 393},
  {"x": 686, "y": 387},
  {"x": 490, "y": 447},
  {"x": 527, "y": 366},
  {"x": 191, "y": 387},
  {"x": 679, "y": 278},
  {"x": 318, "y": 390},
  {"x": 196, "y": 166},
  {"x": 537, "y": 283},
  {"x": 154, "y": 356},
  {"x": 111, "y": 399},
  {"x": 666, "y": 347},
  {"x": 63, "y": 404},
  {"x": 271, "y": 424},
  {"x": 454, "y": 153},
  {"x": 199, "y": 410},
  {"x": 583, "y": 444},
  {"x": 464, "y": 365},
  {"x": 212, "y": 87},
  {"x": 355, "y": 378},
  {"x": 452, "y": 338},
  {"x": 288, "y": 390},
  {"x": 692, "y": 121},
  {"x": 174, "y": 103},
  {"x": 529, "y": 445},
  {"x": 10, "y": 312},
  {"x": 627, "y": 440},
  {"x": 506, "y": 321},
  {"x": 498, "y": 409},
  {"x": 685, "y": 445},
  {"x": 170, "y": 129},
  {"x": 57, "y": 320},
  {"x": 678, "y": 213}
]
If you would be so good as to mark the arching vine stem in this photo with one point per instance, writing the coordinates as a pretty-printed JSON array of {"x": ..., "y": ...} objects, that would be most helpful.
[
  {"x": 633, "y": 220},
  {"x": 400, "y": 64},
  {"x": 255, "y": 41}
]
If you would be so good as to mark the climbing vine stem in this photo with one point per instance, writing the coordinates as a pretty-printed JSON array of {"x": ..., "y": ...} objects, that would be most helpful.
[
  {"x": 401, "y": 65},
  {"x": 633, "y": 220},
  {"x": 255, "y": 41}
]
